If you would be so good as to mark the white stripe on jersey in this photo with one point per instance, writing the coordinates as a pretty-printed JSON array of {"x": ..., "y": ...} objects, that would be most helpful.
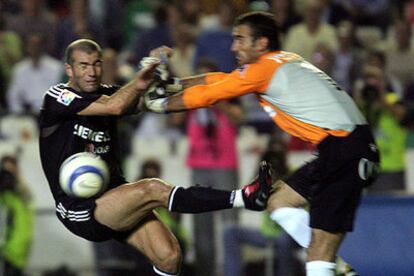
[
  {"x": 54, "y": 91},
  {"x": 61, "y": 206},
  {"x": 71, "y": 215},
  {"x": 51, "y": 94},
  {"x": 73, "y": 218},
  {"x": 62, "y": 94}
]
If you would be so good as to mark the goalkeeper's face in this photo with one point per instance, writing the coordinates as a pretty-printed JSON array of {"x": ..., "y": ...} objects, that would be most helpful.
[
  {"x": 85, "y": 71},
  {"x": 244, "y": 46}
]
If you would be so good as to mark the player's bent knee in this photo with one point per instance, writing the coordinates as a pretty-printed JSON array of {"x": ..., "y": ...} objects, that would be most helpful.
[
  {"x": 169, "y": 259},
  {"x": 152, "y": 189},
  {"x": 285, "y": 196}
]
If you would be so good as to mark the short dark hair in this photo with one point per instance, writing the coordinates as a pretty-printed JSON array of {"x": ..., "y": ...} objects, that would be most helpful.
[
  {"x": 84, "y": 45},
  {"x": 262, "y": 24},
  {"x": 160, "y": 14}
]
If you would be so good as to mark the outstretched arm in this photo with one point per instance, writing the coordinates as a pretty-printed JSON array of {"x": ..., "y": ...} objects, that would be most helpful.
[
  {"x": 199, "y": 96},
  {"x": 193, "y": 80},
  {"x": 196, "y": 84},
  {"x": 175, "y": 103},
  {"x": 122, "y": 100}
]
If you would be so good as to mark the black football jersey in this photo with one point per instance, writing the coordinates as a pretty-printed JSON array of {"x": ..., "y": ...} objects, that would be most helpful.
[{"x": 63, "y": 132}]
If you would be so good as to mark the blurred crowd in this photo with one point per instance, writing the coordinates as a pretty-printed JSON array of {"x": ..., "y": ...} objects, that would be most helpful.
[
  {"x": 341, "y": 37},
  {"x": 366, "y": 46}
]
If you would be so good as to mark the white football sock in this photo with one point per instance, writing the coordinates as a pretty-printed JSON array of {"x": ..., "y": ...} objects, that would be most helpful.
[
  {"x": 238, "y": 198},
  {"x": 320, "y": 268},
  {"x": 295, "y": 221}
]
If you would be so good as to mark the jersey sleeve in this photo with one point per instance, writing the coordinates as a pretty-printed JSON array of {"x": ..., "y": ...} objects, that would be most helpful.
[
  {"x": 253, "y": 78},
  {"x": 214, "y": 77}
]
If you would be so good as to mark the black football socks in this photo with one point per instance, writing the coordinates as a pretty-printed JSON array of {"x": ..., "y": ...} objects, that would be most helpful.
[{"x": 197, "y": 199}]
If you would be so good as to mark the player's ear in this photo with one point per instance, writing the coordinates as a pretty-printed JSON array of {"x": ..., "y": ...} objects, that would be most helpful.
[
  {"x": 262, "y": 43},
  {"x": 68, "y": 70}
]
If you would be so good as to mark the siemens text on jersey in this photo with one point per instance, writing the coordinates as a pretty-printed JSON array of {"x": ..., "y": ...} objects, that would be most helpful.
[{"x": 90, "y": 134}]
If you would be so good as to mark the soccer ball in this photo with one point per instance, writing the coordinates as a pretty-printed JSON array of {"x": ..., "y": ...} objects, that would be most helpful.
[{"x": 83, "y": 175}]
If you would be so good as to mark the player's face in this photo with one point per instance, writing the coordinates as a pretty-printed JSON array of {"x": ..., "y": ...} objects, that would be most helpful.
[
  {"x": 244, "y": 46},
  {"x": 85, "y": 73}
]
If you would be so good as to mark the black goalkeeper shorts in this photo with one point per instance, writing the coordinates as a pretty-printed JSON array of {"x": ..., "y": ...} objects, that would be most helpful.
[{"x": 334, "y": 181}]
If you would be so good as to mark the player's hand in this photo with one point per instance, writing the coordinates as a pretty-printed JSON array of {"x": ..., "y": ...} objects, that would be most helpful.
[
  {"x": 161, "y": 55},
  {"x": 161, "y": 52},
  {"x": 145, "y": 76},
  {"x": 147, "y": 61},
  {"x": 161, "y": 72},
  {"x": 171, "y": 85}
]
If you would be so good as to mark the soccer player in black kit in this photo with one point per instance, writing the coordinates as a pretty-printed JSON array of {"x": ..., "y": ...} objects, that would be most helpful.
[{"x": 81, "y": 116}]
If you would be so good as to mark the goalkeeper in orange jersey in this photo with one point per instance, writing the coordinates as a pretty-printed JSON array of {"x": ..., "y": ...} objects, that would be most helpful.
[{"x": 306, "y": 103}]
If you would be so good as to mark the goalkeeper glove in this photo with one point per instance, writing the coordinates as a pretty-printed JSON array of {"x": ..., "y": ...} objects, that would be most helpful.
[
  {"x": 162, "y": 75},
  {"x": 155, "y": 98}
]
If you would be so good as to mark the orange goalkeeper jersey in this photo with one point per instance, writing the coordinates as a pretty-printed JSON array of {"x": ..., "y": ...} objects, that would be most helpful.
[{"x": 301, "y": 99}]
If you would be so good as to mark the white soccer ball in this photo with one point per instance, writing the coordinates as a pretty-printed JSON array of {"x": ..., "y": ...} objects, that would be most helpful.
[{"x": 83, "y": 175}]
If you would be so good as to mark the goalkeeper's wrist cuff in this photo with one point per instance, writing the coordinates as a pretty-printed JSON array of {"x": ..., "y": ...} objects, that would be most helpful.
[
  {"x": 177, "y": 81},
  {"x": 174, "y": 85}
]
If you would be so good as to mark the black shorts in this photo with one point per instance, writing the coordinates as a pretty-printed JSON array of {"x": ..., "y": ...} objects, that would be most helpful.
[
  {"x": 334, "y": 181},
  {"x": 78, "y": 217}
]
